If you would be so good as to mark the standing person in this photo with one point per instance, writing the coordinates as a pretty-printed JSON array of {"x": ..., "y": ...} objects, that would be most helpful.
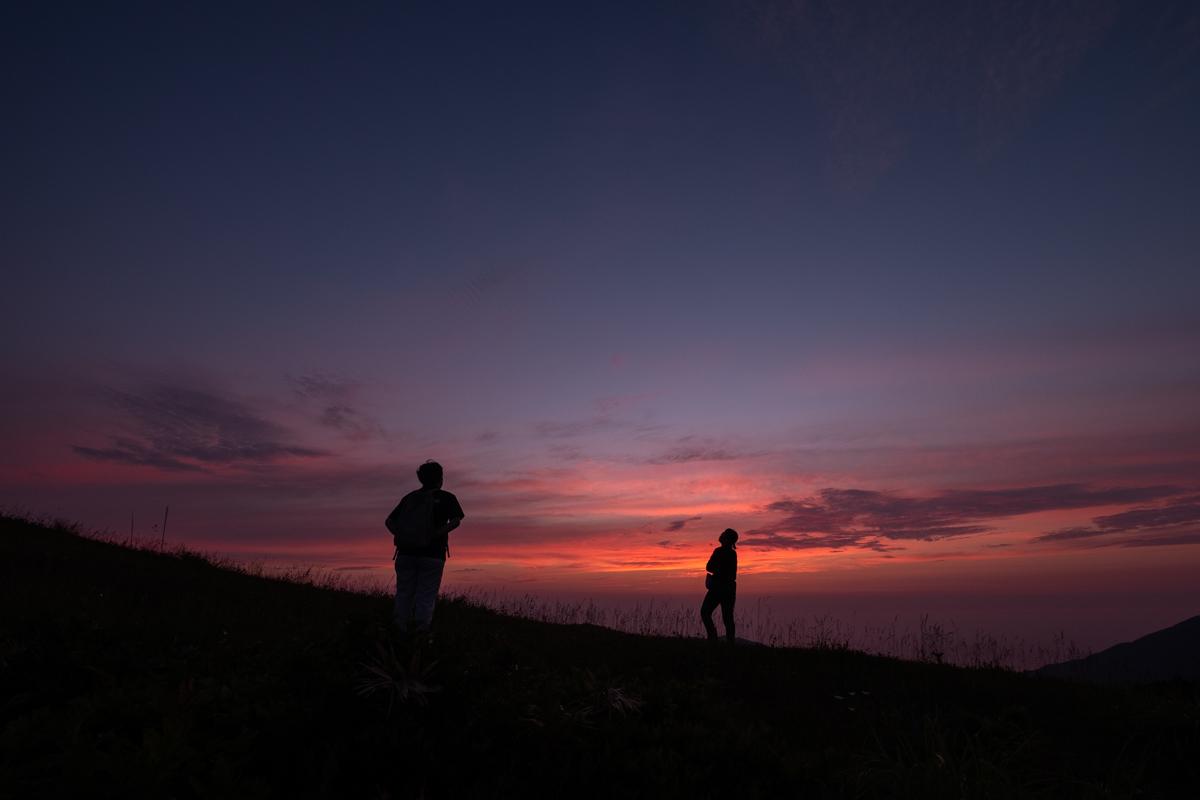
[
  {"x": 420, "y": 526},
  {"x": 721, "y": 583}
]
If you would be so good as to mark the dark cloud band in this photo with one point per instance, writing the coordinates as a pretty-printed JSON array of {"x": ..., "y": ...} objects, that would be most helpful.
[
  {"x": 859, "y": 518},
  {"x": 176, "y": 428}
]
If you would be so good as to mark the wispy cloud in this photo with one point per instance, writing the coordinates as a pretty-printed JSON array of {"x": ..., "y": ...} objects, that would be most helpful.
[
  {"x": 350, "y": 422},
  {"x": 577, "y": 427},
  {"x": 320, "y": 386},
  {"x": 609, "y": 414},
  {"x": 840, "y": 518},
  {"x": 130, "y": 451},
  {"x": 334, "y": 396},
  {"x": 1176, "y": 522},
  {"x": 685, "y": 454},
  {"x": 673, "y": 545},
  {"x": 977, "y": 69},
  {"x": 680, "y": 524},
  {"x": 178, "y": 428},
  {"x": 764, "y": 539},
  {"x": 693, "y": 448}
]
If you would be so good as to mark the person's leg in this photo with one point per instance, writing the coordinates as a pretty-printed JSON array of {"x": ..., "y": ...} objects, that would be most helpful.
[
  {"x": 727, "y": 603},
  {"x": 429, "y": 580},
  {"x": 706, "y": 610},
  {"x": 406, "y": 587}
]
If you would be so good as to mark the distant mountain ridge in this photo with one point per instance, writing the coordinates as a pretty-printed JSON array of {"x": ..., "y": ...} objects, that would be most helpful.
[{"x": 1169, "y": 654}]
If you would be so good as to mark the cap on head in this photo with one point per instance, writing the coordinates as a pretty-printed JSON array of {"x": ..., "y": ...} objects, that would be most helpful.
[
  {"x": 430, "y": 474},
  {"x": 728, "y": 536}
]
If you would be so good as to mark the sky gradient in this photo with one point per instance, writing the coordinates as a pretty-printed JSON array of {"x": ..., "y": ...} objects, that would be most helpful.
[{"x": 908, "y": 296}]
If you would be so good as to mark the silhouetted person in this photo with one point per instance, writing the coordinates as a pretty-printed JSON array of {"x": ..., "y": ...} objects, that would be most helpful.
[
  {"x": 420, "y": 526},
  {"x": 721, "y": 583}
]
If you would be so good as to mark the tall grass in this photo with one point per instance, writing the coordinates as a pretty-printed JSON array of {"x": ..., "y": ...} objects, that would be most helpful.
[{"x": 927, "y": 640}]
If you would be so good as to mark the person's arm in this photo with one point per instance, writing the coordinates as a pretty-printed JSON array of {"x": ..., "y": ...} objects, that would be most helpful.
[
  {"x": 454, "y": 516},
  {"x": 388, "y": 522}
]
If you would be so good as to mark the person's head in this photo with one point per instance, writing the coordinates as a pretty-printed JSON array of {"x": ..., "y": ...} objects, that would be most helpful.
[
  {"x": 728, "y": 537},
  {"x": 430, "y": 475}
]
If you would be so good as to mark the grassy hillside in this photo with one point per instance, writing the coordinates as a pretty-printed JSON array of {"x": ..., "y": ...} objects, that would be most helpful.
[{"x": 130, "y": 673}]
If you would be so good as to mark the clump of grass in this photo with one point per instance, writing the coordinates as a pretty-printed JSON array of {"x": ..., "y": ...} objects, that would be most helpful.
[{"x": 402, "y": 680}]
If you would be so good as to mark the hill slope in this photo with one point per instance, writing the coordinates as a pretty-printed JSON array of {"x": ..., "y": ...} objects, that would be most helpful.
[
  {"x": 129, "y": 673},
  {"x": 1172, "y": 653}
]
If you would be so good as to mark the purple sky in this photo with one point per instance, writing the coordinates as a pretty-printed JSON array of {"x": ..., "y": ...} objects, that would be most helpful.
[{"x": 908, "y": 295}]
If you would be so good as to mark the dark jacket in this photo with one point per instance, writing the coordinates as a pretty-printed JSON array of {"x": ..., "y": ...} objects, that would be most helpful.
[
  {"x": 723, "y": 566},
  {"x": 445, "y": 508}
]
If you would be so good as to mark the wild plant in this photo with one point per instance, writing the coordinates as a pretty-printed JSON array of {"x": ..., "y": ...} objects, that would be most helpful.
[{"x": 402, "y": 681}]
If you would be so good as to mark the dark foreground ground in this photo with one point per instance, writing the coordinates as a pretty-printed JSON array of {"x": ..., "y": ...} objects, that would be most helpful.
[{"x": 127, "y": 673}]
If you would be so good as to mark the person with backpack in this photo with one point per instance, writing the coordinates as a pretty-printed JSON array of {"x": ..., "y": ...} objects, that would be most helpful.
[
  {"x": 420, "y": 526},
  {"x": 721, "y": 583}
]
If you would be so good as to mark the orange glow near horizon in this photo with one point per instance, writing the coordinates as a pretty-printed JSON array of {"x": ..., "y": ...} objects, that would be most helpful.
[
  {"x": 632, "y": 558},
  {"x": 619, "y": 525}
]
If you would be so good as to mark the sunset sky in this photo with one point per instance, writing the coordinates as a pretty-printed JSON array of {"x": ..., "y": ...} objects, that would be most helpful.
[{"x": 908, "y": 294}]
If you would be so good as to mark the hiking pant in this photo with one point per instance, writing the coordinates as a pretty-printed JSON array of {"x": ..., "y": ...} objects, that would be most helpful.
[
  {"x": 725, "y": 597},
  {"x": 417, "y": 581}
]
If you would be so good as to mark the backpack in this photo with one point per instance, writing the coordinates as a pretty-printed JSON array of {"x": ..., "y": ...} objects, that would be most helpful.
[{"x": 411, "y": 524}]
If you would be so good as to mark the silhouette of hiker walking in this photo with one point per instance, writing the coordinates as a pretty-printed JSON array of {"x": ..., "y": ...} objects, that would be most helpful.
[
  {"x": 721, "y": 583},
  {"x": 420, "y": 526}
]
